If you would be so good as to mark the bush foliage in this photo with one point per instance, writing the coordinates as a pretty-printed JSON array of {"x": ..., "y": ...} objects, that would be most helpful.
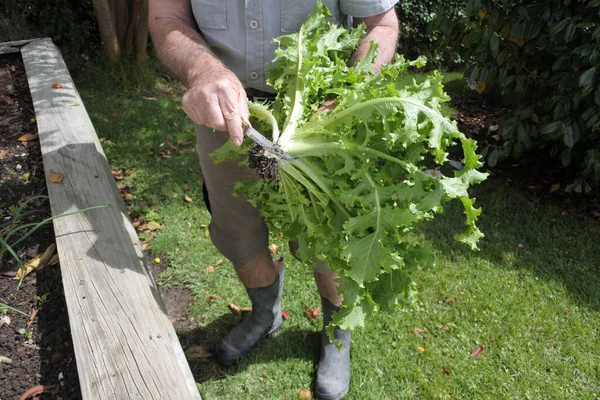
[{"x": 544, "y": 55}]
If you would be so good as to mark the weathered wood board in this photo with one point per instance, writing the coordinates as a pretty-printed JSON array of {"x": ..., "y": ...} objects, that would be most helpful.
[{"x": 125, "y": 344}]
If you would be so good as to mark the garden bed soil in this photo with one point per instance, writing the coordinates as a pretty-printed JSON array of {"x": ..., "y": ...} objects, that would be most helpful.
[{"x": 37, "y": 345}]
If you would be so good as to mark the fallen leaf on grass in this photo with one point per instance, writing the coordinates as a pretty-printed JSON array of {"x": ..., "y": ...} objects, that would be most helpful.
[
  {"x": 313, "y": 312},
  {"x": 38, "y": 261},
  {"x": 219, "y": 262},
  {"x": 236, "y": 310},
  {"x": 212, "y": 298},
  {"x": 273, "y": 248},
  {"x": 188, "y": 198},
  {"x": 305, "y": 394},
  {"x": 566, "y": 309},
  {"x": 189, "y": 224},
  {"x": 417, "y": 331},
  {"x": 57, "y": 86},
  {"x": 446, "y": 370},
  {"x": 152, "y": 226},
  {"x": 186, "y": 189},
  {"x": 196, "y": 353},
  {"x": 444, "y": 328},
  {"x": 28, "y": 137},
  {"x": 450, "y": 300},
  {"x": 56, "y": 177},
  {"x": 36, "y": 390},
  {"x": 477, "y": 352},
  {"x": 210, "y": 269},
  {"x": 34, "y": 314},
  {"x": 285, "y": 314},
  {"x": 421, "y": 349}
]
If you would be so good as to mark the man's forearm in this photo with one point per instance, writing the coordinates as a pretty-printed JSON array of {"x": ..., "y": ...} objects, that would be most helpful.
[
  {"x": 177, "y": 42},
  {"x": 383, "y": 30}
]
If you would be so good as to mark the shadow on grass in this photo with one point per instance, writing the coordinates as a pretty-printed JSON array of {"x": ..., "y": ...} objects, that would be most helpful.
[
  {"x": 288, "y": 343},
  {"x": 522, "y": 235}
]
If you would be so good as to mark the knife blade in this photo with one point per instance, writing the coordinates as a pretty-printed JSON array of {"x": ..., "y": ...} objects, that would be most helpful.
[{"x": 265, "y": 143}]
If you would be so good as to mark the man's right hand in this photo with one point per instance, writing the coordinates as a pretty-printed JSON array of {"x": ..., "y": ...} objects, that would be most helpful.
[{"x": 217, "y": 99}]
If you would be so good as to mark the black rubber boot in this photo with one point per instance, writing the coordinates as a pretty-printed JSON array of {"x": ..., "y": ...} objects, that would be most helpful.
[
  {"x": 264, "y": 320},
  {"x": 333, "y": 372}
]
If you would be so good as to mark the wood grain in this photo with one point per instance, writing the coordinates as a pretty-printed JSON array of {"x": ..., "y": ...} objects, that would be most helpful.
[{"x": 125, "y": 344}]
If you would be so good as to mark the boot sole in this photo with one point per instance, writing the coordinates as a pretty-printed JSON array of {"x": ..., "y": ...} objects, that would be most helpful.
[{"x": 336, "y": 396}]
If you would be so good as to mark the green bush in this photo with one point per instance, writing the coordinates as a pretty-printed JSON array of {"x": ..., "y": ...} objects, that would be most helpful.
[
  {"x": 421, "y": 36},
  {"x": 544, "y": 55}
]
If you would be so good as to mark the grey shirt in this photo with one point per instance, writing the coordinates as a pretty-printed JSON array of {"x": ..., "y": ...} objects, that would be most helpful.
[{"x": 240, "y": 33}]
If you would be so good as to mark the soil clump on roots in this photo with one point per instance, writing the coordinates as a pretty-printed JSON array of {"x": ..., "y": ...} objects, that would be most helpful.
[{"x": 267, "y": 168}]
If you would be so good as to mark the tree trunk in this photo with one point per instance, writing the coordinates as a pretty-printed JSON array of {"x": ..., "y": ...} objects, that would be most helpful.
[
  {"x": 120, "y": 10},
  {"x": 141, "y": 35},
  {"x": 108, "y": 32}
]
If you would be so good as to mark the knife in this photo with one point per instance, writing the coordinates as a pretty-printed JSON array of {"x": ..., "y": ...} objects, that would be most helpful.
[{"x": 265, "y": 143}]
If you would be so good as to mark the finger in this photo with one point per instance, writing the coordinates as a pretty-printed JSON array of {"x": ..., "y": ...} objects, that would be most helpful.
[
  {"x": 214, "y": 115},
  {"x": 243, "y": 100},
  {"x": 233, "y": 119}
]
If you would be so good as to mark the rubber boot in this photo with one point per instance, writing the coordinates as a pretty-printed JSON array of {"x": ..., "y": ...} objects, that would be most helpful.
[
  {"x": 264, "y": 320},
  {"x": 333, "y": 372}
]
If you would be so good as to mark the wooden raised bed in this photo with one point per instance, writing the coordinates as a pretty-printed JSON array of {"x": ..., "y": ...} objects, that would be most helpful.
[{"x": 125, "y": 344}]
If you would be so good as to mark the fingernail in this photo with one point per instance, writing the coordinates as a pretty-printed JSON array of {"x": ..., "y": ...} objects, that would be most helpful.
[{"x": 237, "y": 141}]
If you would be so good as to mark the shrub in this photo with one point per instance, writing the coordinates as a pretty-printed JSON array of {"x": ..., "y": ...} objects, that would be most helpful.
[{"x": 545, "y": 56}]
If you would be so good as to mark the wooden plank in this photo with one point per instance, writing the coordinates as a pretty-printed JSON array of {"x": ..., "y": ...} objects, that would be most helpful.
[
  {"x": 12, "y": 47},
  {"x": 125, "y": 344}
]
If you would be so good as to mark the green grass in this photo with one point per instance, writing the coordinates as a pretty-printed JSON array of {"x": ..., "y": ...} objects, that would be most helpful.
[{"x": 535, "y": 307}]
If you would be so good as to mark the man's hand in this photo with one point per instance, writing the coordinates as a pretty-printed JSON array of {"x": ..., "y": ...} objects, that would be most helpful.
[{"x": 217, "y": 99}]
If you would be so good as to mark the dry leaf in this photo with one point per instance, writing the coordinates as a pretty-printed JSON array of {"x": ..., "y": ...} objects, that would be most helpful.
[
  {"x": 313, "y": 312},
  {"x": 285, "y": 314},
  {"x": 210, "y": 269},
  {"x": 450, "y": 300},
  {"x": 305, "y": 394},
  {"x": 207, "y": 233},
  {"x": 153, "y": 226},
  {"x": 237, "y": 311},
  {"x": 566, "y": 309},
  {"x": 187, "y": 198},
  {"x": 477, "y": 351},
  {"x": 417, "y": 331},
  {"x": 219, "y": 262},
  {"x": 5, "y": 360},
  {"x": 54, "y": 260},
  {"x": 128, "y": 196},
  {"x": 197, "y": 352},
  {"x": 273, "y": 248},
  {"x": 446, "y": 370},
  {"x": 28, "y": 137},
  {"x": 186, "y": 188},
  {"x": 444, "y": 328},
  {"x": 3, "y": 153},
  {"x": 57, "y": 86},
  {"x": 4, "y": 320},
  {"x": 554, "y": 187},
  {"x": 37, "y": 390},
  {"x": 38, "y": 261},
  {"x": 34, "y": 314},
  {"x": 189, "y": 224},
  {"x": 246, "y": 309},
  {"x": 212, "y": 298},
  {"x": 56, "y": 177},
  {"x": 421, "y": 349},
  {"x": 521, "y": 246}
]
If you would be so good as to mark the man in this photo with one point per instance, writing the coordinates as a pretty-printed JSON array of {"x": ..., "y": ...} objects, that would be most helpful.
[{"x": 220, "y": 49}]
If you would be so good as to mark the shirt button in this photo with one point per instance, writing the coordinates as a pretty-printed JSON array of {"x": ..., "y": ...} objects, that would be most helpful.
[
  {"x": 254, "y": 75},
  {"x": 254, "y": 24}
]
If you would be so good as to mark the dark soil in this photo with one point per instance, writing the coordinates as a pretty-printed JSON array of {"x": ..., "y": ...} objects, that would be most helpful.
[
  {"x": 266, "y": 167},
  {"x": 38, "y": 345}
]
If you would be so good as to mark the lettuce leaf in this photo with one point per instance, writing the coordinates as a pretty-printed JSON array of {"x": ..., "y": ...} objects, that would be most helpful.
[{"x": 367, "y": 173}]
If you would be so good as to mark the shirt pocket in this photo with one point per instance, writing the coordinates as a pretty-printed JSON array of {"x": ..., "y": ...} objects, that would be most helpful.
[
  {"x": 210, "y": 14},
  {"x": 294, "y": 13}
]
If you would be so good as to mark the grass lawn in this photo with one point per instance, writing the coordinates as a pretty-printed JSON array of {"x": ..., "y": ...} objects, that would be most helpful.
[{"x": 530, "y": 297}]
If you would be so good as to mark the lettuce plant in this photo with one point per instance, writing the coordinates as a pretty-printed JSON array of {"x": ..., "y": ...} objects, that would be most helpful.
[{"x": 366, "y": 173}]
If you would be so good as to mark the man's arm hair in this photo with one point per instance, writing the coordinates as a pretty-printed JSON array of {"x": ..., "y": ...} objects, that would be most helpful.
[
  {"x": 178, "y": 43},
  {"x": 383, "y": 29}
]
